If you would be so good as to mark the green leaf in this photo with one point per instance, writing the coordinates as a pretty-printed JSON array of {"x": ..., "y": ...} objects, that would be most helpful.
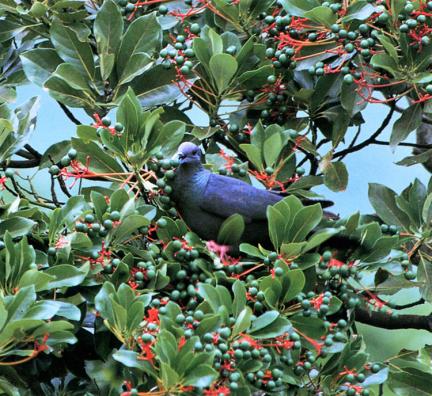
[
  {"x": 360, "y": 10},
  {"x": 71, "y": 49},
  {"x": 155, "y": 86},
  {"x": 272, "y": 149},
  {"x": 254, "y": 155},
  {"x": 38, "y": 64},
  {"x": 168, "y": 138},
  {"x": 60, "y": 90},
  {"x": 293, "y": 283},
  {"x": 276, "y": 226},
  {"x": 137, "y": 64},
  {"x": 144, "y": 34},
  {"x": 385, "y": 62},
  {"x": 322, "y": 15},
  {"x": 38, "y": 279},
  {"x": 9, "y": 29},
  {"x": 231, "y": 230},
  {"x": 274, "y": 329},
  {"x": 383, "y": 201},
  {"x": 409, "y": 120},
  {"x": 223, "y": 67},
  {"x": 210, "y": 294},
  {"x": 304, "y": 222},
  {"x": 100, "y": 161},
  {"x": 108, "y": 28},
  {"x": 72, "y": 75},
  {"x": 424, "y": 276},
  {"x": 389, "y": 47},
  {"x": 127, "y": 227},
  {"x": 131, "y": 359},
  {"x": 239, "y": 300},
  {"x": 264, "y": 320},
  {"x": 299, "y": 7},
  {"x": 427, "y": 209},
  {"x": 201, "y": 377},
  {"x": 242, "y": 322},
  {"x": 312, "y": 327},
  {"x": 336, "y": 176},
  {"x": 55, "y": 153},
  {"x": 410, "y": 381},
  {"x": 66, "y": 275},
  {"x": 16, "y": 226},
  {"x": 170, "y": 378},
  {"x": 416, "y": 159},
  {"x": 13, "y": 138}
]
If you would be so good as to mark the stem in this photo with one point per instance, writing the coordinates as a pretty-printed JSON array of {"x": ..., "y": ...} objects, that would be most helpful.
[
  {"x": 385, "y": 321},
  {"x": 69, "y": 114},
  {"x": 370, "y": 140}
]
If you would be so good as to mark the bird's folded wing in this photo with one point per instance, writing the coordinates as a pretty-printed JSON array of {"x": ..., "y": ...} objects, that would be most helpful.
[{"x": 225, "y": 196}]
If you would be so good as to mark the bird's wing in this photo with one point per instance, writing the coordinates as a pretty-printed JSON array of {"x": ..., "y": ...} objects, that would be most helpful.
[{"x": 225, "y": 196}]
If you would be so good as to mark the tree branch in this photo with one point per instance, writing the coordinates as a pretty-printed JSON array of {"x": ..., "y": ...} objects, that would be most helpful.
[
  {"x": 369, "y": 140},
  {"x": 69, "y": 114},
  {"x": 385, "y": 321},
  {"x": 414, "y": 145},
  {"x": 63, "y": 187},
  {"x": 32, "y": 151},
  {"x": 31, "y": 163}
]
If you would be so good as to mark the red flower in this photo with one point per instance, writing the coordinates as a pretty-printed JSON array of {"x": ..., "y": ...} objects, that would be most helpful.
[{"x": 3, "y": 182}]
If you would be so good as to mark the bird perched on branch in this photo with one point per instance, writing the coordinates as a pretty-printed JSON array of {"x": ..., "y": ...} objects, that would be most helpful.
[{"x": 205, "y": 200}]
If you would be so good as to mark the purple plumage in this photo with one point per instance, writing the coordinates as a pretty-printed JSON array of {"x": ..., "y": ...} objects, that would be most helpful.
[{"x": 205, "y": 200}]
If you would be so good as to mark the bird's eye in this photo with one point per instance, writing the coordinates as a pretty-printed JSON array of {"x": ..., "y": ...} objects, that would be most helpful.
[
  {"x": 195, "y": 152},
  {"x": 181, "y": 156}
]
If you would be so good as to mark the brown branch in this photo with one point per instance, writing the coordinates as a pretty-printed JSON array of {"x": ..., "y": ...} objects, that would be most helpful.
[
  {"x": 414, "y": 145},
  {"x": 69, "y": 114},
  {"x": 386, "y": 321},
  {"x": 21, "y": 164},
  {"x": 32, "y": 151},
  {"x": 63, "y": 187},
  {"x": 369, "y": 140}
]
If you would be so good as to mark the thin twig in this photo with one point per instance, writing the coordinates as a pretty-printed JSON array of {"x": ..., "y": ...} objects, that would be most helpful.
[
  {"x": 69, "y": 114},
  {"x": 368, "y": 141}
]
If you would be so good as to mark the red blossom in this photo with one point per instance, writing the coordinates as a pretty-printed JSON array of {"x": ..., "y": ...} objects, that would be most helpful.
[
  {"x": 218, "y": 390},
  {"x": 185, "y": 244},
  {"x": 347, "y": 371},
  {"x": 220, "y": 250},
  {"x": 268, "y": 180},
  {"x": 79, "y": 171},
  {"x": 146, "y": 351},
  {"x": 281, "y": 342},
  {"x": 61, "y": 242},
  {"x": 40, "y": 347},
  {"x": 99, "y": 124},
  {"x": 230, "y": 160},
  {"x": 3, "y": 180},
  {"x": 317, "y": 301},
  {"x": 104, "y": 255},
  {"x": 152, "y": 316},
  {"x": 182, "y": 341},
  {"x": 254, "y": 343}
]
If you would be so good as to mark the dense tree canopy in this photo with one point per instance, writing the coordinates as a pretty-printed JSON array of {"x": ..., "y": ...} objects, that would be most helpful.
[{"x": 104, "y": 290}]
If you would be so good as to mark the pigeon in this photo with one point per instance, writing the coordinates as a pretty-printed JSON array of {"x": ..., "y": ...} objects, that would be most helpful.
[{"x": 205, "y": 200}]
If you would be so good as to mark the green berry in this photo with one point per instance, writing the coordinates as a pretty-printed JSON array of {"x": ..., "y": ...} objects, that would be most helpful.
[
  {"x": 348, "y": 79},
  {"x": 195, "y": 28},
  {"x": 115, "y": 215},
  {"x": 54, "y": 170},
  {"x": 72, "y": 153}
]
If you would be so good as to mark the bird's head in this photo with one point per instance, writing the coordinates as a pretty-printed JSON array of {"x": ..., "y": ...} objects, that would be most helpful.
[{"x": 189, "y": 153}]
